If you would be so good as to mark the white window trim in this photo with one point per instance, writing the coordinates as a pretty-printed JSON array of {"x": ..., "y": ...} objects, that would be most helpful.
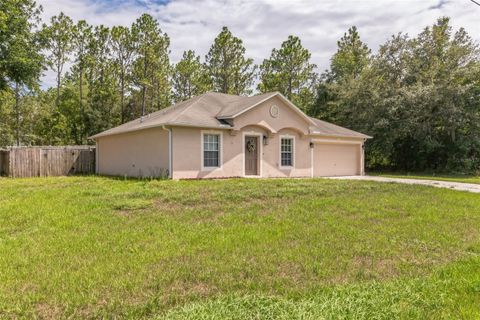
[
  {"x": 286, "y": 136},
  {"x": 220, "y": 153},
  {"x": 260, "y": 153}
]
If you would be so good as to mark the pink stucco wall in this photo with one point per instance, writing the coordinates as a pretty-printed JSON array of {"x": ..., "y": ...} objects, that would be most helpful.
[
  {"x": 187, "y": 154},
  {"x": 134, "y": 154}
]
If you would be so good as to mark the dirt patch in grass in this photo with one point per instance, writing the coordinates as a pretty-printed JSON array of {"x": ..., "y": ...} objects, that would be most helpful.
[
  {"x": 185, "y": 289},
  {"x": 371, "y": 268},
  {"x": 46, "y": 310},
  {"x": 210, "y": 209},
  {"x": 292, "y": 272},
  {"x": 169, "y": 207}
]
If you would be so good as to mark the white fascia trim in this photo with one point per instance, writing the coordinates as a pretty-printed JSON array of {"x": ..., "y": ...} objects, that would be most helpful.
[
  {"x": 259, "y": 154},
  {"x": 220, "y": 160},
  {"x": 335, "y": 141},
  {"x": 99, "y": 135},
  {"x": 286, "y": 136},
  {"x": 319, "y": 134}
]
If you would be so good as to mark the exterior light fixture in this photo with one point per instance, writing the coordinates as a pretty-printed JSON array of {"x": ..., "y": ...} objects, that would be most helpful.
[
  {"x": 265, "y": 140},
  {"x": 311, "y": 145}
]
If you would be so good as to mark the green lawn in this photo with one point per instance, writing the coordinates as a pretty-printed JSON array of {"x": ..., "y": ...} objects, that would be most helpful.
[
  {"x": 92, "y": 247},
  {"x": 445, "y": 177}
]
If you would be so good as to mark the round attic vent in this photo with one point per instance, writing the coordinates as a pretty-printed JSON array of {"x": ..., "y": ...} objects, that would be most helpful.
[{"x": 274, "y": 111}]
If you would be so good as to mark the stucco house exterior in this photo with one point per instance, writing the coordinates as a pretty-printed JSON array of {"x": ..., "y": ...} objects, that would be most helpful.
[{"x": 217, "y": 135}]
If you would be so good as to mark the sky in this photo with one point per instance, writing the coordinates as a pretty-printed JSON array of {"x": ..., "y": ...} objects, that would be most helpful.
[{"x": 265, "y": 24}]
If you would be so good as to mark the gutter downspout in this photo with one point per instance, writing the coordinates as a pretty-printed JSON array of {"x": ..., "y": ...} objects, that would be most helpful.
[
  {"x": 97, "y": 148},
  {"x": 170, "y": 153},
  {"x": 362, "y": 155},
  {"x": 311, "y": 145}
]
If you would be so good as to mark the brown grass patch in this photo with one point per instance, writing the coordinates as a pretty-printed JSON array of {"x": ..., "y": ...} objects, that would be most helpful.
[{"x": 48, "y": 311}]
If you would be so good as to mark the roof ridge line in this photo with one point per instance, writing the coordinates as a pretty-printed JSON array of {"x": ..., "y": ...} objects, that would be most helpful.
[
  {"x": 268, "y": 96},
  {"x": 199, "y": 98},
  {"x": 161, "y": 112}
]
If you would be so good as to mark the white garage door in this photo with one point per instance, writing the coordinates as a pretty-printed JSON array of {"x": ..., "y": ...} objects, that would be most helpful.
[{"x": 336, "y": 160}]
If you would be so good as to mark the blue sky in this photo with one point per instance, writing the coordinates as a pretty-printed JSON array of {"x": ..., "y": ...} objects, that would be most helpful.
[{"x": 264, "y": 24}]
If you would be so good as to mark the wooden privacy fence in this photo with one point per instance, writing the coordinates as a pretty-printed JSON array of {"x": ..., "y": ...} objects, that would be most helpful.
[{"x": 47, "y": 161}]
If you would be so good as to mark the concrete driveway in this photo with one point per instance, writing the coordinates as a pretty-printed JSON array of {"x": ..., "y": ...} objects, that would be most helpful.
[{"x": 470, "y": 187}]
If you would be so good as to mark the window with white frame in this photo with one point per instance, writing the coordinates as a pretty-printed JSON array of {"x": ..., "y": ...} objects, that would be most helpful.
[
  {"x": 211, "y": 150},
  {"x": 286, "y": 152}
]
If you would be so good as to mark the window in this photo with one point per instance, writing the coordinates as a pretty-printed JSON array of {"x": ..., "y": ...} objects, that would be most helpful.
[
  {"x": 211, "y": 150},
  {"x": 286, "y": 152}
]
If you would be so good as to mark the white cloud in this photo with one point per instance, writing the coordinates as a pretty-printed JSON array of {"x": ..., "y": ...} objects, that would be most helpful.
[{"x": 264, "y": 24}]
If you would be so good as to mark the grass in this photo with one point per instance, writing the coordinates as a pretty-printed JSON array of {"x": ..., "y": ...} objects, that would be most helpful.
[
  {"x": 93, "y": 247},
  {"x": 425, "y": 176}
]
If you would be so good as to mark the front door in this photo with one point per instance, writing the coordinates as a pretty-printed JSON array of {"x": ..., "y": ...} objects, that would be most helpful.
[{"x": 251, "y": 156}]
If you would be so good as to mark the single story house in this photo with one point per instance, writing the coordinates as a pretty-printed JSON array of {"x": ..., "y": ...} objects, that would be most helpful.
[{"x": 218, "y": 135}]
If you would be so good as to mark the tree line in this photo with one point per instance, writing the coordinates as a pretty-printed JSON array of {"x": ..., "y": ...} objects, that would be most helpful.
[{"x": 418, "y": 96}]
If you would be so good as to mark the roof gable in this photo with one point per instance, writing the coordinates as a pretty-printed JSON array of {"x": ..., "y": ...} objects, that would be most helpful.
[
  {"x": 249, "y": 103},
  {"x": 261, "y": 115}
]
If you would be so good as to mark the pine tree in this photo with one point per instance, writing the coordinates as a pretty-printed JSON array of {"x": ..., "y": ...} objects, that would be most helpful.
[
  {"x": 189, "y": 77},
  {"x": 82, "y": 37},
  {"x": 59, "y": 44},
  {"x": 231, "y": 72},
  {"x": 351, "y": 57},
  {"x": 289, "y": 71},
  {"x": 21, "y": 62},
  {"x": 123, "y": 50},
  {"x": 152, "y": 65}
]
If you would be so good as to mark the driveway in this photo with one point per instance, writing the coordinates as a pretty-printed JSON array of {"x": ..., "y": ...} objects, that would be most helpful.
[{"x": 470, "y": 187}]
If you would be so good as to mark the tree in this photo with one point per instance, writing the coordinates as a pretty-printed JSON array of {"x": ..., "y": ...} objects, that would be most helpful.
[
  {"x": 70, "y": 112},
  {"x": 152, "y": 64},
  {"x": 49, "y": 125},
  {"x": 7, "y": 135},
  {"x": 21, "y": 63},
  {"x": 103, "y": 110},
  {"x": 336, "y": 98},
  {"x": 227, "y": 66},
  {"x": 123, "y": 50},
  {"x": 19, "y": 56},
  {"x": 82, "y": 37},
  {"x": 289, "y": 71},
  {"x": 189, "y": 77},
  {"x": 351, "y": 57},
  {"x": 418, "y": 97},
  {"x": 439, "y": 99},
  {"x": 58, "y": 42}
]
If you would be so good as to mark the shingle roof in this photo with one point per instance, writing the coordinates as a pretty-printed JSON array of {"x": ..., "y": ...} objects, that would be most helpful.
[
  {"x": 199, "y": 111},
  {"x": 240, "y": 105},
  {"x": 208, "y": 109},
  {"x": 330, "y": 129}
]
